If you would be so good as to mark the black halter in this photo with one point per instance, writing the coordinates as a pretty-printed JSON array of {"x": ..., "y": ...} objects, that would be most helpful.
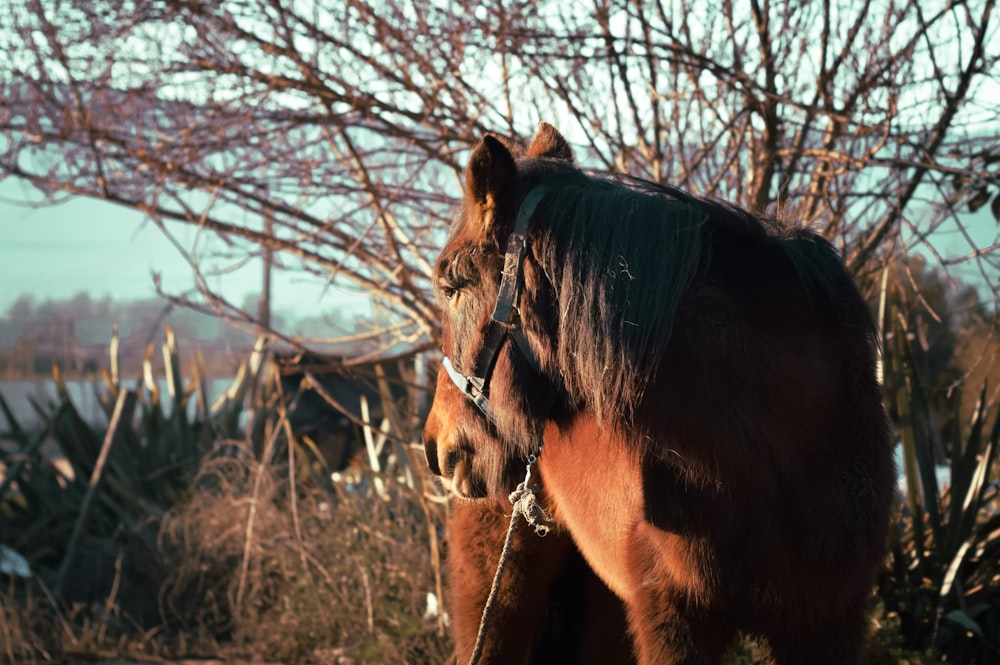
[{"x": 506, "y": 320}]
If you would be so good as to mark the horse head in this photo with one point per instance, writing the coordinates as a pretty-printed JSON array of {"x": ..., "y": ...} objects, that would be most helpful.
[{"x": 496, "y": 385}]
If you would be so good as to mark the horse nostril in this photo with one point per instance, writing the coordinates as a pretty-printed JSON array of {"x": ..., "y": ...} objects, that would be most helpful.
[
  {"x": 454, "y": 456},
  {"x": 431, "y": 454}
]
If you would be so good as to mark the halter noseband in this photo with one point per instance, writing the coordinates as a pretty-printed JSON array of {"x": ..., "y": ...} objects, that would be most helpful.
[{"x": 506, "y": 319}]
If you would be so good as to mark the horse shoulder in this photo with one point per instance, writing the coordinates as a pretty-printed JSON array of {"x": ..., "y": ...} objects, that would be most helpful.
[{"x": 593, "y": 484}]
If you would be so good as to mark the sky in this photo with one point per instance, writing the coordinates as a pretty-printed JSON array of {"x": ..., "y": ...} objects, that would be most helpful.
[{"x": 53, "y": 252}]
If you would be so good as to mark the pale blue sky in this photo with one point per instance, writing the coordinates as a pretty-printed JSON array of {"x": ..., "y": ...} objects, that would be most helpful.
[
  {"x": 57, "y": 251},
  {"x": 54, "y": 252}
]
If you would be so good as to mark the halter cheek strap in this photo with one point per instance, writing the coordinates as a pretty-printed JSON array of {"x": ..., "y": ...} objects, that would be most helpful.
[
  {"x": 471, "y": 387},
  {"x": 505, "y": 323}
]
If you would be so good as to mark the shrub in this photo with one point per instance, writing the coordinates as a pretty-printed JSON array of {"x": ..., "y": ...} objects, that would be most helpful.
[
  {"x": 180, "y": 524},
  {"x": 942, "y": 581}
]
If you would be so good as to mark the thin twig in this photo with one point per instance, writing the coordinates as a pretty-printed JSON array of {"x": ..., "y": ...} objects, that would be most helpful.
[
  {"x": 368, "y": 598},
  {"x": 292, "y": 487},
  {"x": 262, "y": 465}
]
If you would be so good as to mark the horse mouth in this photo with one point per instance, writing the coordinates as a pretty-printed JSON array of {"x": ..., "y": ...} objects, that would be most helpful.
[{"x": 463, "y": 483}]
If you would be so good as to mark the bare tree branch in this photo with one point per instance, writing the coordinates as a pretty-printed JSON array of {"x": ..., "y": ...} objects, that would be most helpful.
[{"x": 346, "y": 125}]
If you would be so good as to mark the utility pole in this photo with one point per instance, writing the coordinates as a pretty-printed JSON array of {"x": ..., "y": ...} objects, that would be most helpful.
[{"x": 264, "y": 306}]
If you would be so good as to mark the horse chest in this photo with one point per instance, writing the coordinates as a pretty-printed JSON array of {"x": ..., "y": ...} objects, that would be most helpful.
[{"x": 594, "y": 487}]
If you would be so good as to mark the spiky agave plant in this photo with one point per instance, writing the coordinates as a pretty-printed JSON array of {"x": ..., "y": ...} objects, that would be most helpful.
[
  {"x": 116, "y": 480},
  {"x": 943, "y": 578}
]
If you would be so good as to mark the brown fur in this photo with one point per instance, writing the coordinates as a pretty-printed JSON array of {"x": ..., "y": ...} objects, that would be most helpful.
[
  {"x": 551, "y": 607},
  {"x": 746, "y": 485}
]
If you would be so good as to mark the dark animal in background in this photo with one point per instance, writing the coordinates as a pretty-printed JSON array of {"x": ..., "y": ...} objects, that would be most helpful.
[
  {"x": 327, "y": 404},
  {"x": 703, "y": 381}
]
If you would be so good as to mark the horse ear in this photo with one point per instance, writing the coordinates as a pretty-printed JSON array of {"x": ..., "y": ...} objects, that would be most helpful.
[
  {"x": 490, "y": 183},
  {"x": 548, "y": 142}
]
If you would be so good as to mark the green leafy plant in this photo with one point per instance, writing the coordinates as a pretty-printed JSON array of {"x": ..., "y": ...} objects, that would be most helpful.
[
  {"x": 942, "y": 583},
  {"x": 82, "y": 505}
]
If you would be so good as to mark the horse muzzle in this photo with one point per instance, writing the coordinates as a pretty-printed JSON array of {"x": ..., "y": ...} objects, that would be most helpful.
[
  {"x": 448, "y": 456},
  {"x": 454, "y": 468}
]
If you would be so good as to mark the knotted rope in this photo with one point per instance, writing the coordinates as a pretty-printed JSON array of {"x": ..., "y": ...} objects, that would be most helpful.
[{"x": 525, "y": 503}]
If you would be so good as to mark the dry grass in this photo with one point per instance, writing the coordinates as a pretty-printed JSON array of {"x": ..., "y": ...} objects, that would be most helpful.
[
  {"x": 343, "y": 574},
  {"x": 256, "y": 557},
  {"x": 22, "y": 623},
  {"x": 254, "y": 567}
]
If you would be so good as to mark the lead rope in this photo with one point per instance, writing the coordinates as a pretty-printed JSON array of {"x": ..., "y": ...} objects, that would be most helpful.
[{"x": 526, "y": 504}]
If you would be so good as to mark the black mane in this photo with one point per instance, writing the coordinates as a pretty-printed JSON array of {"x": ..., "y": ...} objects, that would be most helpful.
[{"x": 621, "y": 255}]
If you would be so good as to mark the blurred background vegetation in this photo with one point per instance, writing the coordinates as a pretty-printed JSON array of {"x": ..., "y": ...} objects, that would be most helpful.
[
  {"x": 227, "y": 478},
  {"x": 186, "y": 524}
]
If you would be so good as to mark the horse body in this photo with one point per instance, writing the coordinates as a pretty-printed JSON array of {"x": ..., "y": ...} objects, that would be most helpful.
[
  {"x": 717, "y": 450},
  {"x": 750, "y": 513}
]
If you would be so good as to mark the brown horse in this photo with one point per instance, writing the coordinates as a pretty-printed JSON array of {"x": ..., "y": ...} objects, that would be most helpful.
[{"x": 703, "y": 382}]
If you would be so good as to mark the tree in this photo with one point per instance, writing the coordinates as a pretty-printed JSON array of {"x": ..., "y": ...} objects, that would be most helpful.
[
  {"x": 951, "y": 343},
  {"x": 333, "y": 134}
]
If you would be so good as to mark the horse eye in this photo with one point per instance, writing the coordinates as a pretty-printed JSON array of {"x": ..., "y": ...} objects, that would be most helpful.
[{"x": 449, "y": 292}]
